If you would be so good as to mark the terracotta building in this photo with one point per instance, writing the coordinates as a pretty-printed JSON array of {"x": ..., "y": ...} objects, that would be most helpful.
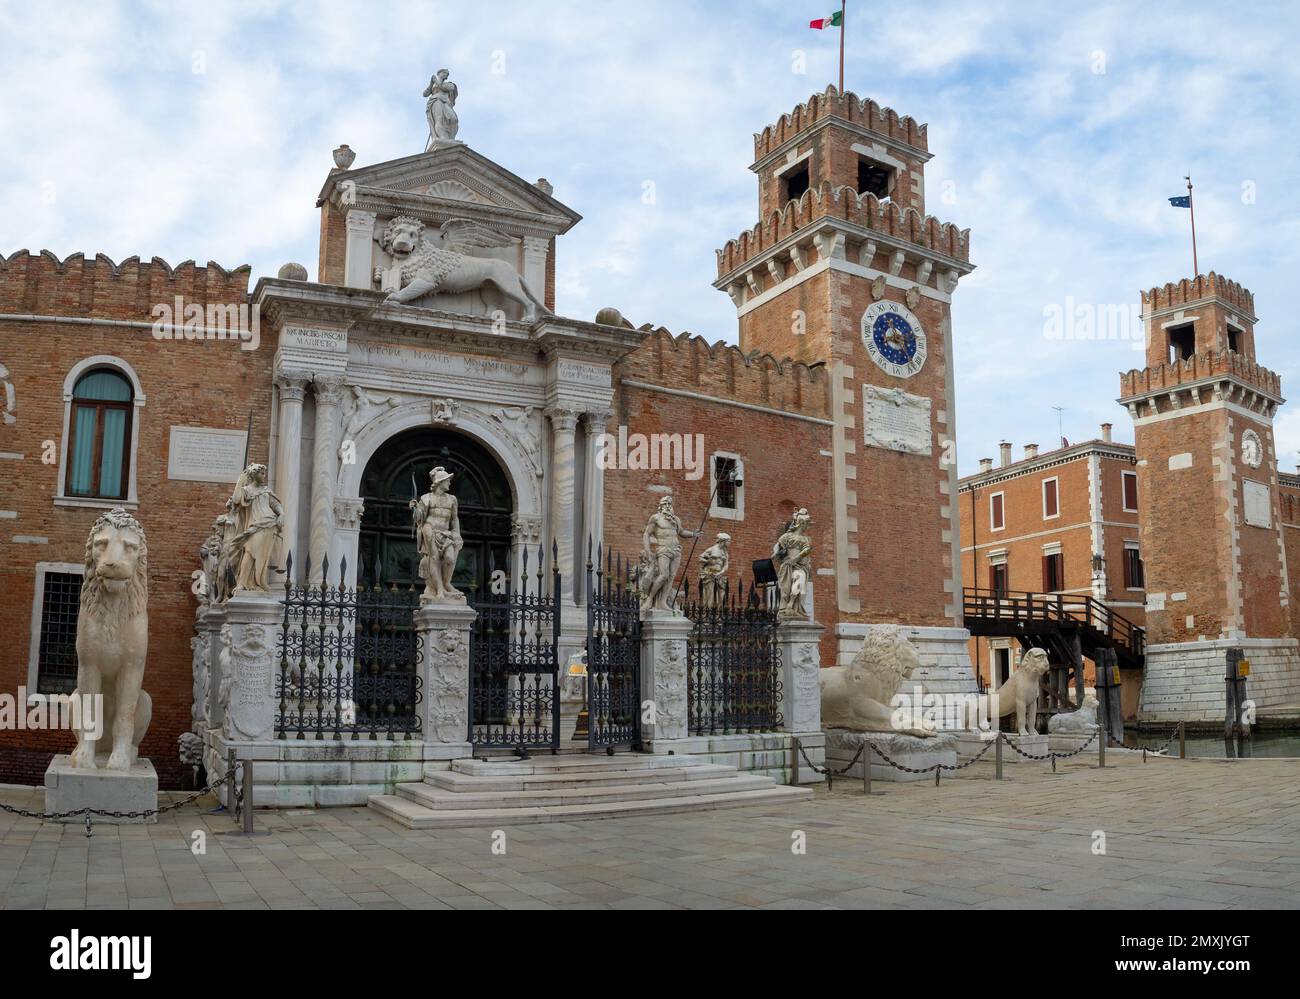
[
  {"x": 1057, "y": 522},
  {"x": 148, "y": 386}
]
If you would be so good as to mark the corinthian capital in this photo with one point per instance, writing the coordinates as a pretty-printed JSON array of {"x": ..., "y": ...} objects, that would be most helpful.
[
  {"x": 563, "y": 418},
  {"x": 328, "y": 389}
]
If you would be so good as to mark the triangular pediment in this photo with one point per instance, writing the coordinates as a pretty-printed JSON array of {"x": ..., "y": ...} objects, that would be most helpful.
[{"x": 452, "y": 173}]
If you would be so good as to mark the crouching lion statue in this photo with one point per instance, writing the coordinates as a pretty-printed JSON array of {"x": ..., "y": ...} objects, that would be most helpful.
[
  {"x": 427, "y": 267},
  {"x": 857, "y": 697},
  {"x": 113, "y": 639},
  {"x": 1018, "y": 694}
]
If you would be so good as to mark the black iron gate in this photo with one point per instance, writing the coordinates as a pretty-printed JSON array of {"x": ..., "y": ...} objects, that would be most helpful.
[
  {"x": 613, "y": 655},
  {"x": 514, "y": 692},
  {"x": 349, "y": 662},
  {"x": 733, "y": 663}
]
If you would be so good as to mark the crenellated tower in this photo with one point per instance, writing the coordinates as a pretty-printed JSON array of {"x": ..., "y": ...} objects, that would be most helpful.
[
  {"x": 845, "y": 268},
  {"x": 1215, "y": 561}
]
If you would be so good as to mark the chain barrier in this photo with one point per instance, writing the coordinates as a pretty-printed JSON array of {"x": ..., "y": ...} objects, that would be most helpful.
[
  {"x": 828, "y": 771},
  {"x": 1154, "y": 750},
  {"x": 229, "y": 778}
]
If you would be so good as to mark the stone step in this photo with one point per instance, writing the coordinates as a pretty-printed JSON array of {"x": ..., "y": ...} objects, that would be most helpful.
[
  {"x": 453, "y": 780},
  {"x": 416, "y": 816},
  {"x": 441, "y": 799},
  {"x": 585, "y": 763}
]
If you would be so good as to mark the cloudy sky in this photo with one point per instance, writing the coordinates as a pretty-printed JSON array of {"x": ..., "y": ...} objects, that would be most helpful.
[{"x": 204, "y": 132}]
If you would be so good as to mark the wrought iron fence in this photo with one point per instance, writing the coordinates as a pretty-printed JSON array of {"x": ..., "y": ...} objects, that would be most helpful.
[
  {"x": 613, "y": 653},
  {"x": 733, "y": 663},
  {"x": 349, "y": 659},
  {"x": 513, "y": 687}
]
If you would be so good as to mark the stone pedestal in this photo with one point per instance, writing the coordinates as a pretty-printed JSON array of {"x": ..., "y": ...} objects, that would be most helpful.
[
  {"x": 800, "y": 701},
  {"x": 246, "y": 669},
  {"x": 443, "y": 631},
  {"x": 905, "y": 750},
  {"x": 663, "y": 681},
  {"x": 1069, "y": 742},
  {"x": 1035, "y": 745},
  {"x": 68, "y": 788},
  {"x": 971, "y": 742}
]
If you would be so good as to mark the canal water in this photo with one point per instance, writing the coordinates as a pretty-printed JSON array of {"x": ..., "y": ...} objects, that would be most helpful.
[{"x": 1262, "y": 744}]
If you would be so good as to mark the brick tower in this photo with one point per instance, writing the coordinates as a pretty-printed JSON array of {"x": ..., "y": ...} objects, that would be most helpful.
[
  {"x": 1216, "y": 574},
  {"x": 846, "y": 269}
]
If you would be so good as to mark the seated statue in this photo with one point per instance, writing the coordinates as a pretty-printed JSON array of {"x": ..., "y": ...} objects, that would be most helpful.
[{"x": 1019, "y": 694}]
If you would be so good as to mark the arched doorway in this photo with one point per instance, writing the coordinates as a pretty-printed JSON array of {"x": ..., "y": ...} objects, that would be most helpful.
[{"x": 393, "y": 476}]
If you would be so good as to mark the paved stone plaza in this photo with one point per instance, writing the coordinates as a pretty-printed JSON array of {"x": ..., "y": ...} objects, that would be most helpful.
[{"x": 1179, "y": 834}]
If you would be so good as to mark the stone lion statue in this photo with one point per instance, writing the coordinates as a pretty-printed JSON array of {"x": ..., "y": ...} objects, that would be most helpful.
[
  {"x": 857, "y": 697},
  {"x": 1018, "y": 694},
  {"x": 1081, "y": 721},
  {"x": 113, "y": 639},
  {"x": 438, "y": 266}
]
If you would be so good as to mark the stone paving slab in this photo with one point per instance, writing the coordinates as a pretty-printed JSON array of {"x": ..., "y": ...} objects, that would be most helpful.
[{"x": 1178, "y": 834}]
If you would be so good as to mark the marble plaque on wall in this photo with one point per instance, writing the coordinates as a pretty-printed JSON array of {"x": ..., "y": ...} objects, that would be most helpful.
[
  {"x": 200, "y": 454},
  {"x": 896, "y": 420},
  {"x": 1255, "y": 499}
]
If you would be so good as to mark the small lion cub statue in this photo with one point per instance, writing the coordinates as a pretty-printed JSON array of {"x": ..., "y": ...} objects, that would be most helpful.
[{"x": 113, "y": 639}]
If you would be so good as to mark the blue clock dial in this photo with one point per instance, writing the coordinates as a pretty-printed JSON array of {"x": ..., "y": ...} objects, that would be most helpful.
[{"x": 894, "y": 338}]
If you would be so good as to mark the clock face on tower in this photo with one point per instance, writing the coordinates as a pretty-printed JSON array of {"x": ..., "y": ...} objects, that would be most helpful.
[
  {"x": 894, "y": 338},
  {"x": 1252, "y": 449}
]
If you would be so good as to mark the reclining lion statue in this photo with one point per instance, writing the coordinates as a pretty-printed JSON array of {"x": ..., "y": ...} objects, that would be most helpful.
[
  {"x": 1018, "y": 694},
  {"x": 857, "y": 697},
  {"x": 438, "y": 266},
  {"x": 113, "y": 639}
]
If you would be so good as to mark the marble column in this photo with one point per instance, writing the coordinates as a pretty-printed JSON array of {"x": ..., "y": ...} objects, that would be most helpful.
[
  {"x": 593, "y": 492},
  {"x": 444, "y": 631},
  {"x": 328, "y": 390},
  {"x": 564, "y": 423},
  {"x": 288, "y": 459},
  {"x": 347, "y": 536},
  {"x": 358, "y": 267}
]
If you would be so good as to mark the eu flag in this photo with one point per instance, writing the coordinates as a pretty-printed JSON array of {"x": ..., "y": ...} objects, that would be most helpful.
[{"x": 1184, "y": 202}]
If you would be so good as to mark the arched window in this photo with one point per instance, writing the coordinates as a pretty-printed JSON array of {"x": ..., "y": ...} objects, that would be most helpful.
[{"x": 99, "y": 446}]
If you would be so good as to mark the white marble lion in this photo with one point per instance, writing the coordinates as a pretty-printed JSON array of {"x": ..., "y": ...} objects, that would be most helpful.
[
  {"x": 1018, "y": 694},
  {"x": 113, "y": 639},
  {"x": 857, "y": 697},
  {"x": 437, "y": 266}
]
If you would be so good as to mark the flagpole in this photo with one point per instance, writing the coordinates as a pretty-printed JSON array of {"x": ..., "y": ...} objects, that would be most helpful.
[
  {"x": 843, "y": 18},
  {"x": 1196, "y": 269}
]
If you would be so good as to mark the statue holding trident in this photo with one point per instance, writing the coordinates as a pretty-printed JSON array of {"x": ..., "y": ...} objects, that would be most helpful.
[
  {"x": 440, "y": 109},
  {"x": 661, "y": 554},
  {"x": 437, "y": 528}
]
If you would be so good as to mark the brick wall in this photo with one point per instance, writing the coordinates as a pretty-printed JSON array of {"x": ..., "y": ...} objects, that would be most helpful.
[
  {"x": 782, "y": 455},
  {"x": 185, "y": 383}
]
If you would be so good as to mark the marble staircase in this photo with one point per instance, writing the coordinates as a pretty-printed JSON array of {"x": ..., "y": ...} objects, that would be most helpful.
[{"x": 569, "y": 788}]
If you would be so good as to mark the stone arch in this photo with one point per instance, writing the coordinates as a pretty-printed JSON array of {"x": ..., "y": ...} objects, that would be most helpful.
[{"x": 525, "y": 483}]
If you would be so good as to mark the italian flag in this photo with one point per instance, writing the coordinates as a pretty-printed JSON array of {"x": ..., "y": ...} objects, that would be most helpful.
[{"x": 835, "y": 20}]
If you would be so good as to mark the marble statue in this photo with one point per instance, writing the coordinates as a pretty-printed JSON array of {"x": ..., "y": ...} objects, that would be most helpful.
[
  {"x": 259, "y": 540},
  {"x": 793, "y": 557},
  {"x": 661, "y": 555},
  {"x": 210, "y": 559},
  {"x": 857, "y": 697},
  {"x": 714, "y": 561},
  {"x": 113, "y": 640},
  {"x": 1019, "y": 694},
  {"x": 440, "y": 266},
  {"x": 7, "y": 401},
  {"x": 437, "y": 524},
  {"x": 224, "y": 530},
  {"x": 360, "y": 407},
  {"x": 1081, "y": 721},
  {"x": 190, "y": 748},
  {"x": 440, "y": 109}
]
